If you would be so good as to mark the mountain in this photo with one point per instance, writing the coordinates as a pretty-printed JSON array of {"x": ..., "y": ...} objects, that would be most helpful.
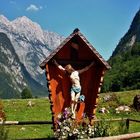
[
  {"x": 125, "y": 61},
  {"x": 11, "y": 78},
  {"x": 24, "y": 45}
]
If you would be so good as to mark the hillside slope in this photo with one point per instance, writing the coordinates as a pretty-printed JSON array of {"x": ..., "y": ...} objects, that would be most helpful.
[
  {"x": 13, "y": 73},
  {"x": 125, "y": 61},
  {"x": 29, "y": 45}
]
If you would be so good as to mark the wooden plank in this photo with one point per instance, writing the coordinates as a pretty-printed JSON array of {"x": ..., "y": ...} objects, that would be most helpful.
[
  {"x": 132, "y": 120},
  {"x": 112, "y": 120},
  {"x": 81, "y": 63},
  {"x": 50, "y": 122},
  {"x": 24, "y": 122},
  {"x": 119, "y": 137}
]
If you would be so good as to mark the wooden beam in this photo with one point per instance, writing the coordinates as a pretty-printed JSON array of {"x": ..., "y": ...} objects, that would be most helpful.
[
  {"x": 119, "y": 137},
  {"x": 74, "y": 63},
  {"x": 132, "y": 120},
  {"x": 50, "y": 122},
  {"x": 24, "y": 122}
]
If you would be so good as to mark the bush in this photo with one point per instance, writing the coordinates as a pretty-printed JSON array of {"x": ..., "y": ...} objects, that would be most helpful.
[
  {"x": 26, "y": 93},
  {"x": 3, "y": 132}
]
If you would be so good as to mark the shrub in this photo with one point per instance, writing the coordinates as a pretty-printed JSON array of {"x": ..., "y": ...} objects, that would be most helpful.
[
  {"x": 26, "y": 93},
  {"x": 3, "y": 132}
]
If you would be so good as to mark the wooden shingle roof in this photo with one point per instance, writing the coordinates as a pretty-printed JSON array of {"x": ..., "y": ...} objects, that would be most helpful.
[{"x": 75, "y": 32}]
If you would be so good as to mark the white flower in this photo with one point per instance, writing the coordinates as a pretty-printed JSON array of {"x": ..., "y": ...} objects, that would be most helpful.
[
  {"x": 66, "y": 109},
  {"x": 75, "y": 131},
  {"x": 63, "y": 137},
  {"x": 59, "y": 116},
  {"x": 67, "y": 128},
  {"x": 83, "y": 132},
  {"x": 22, "y": 128},
  {"x": 63, "y": 133}
]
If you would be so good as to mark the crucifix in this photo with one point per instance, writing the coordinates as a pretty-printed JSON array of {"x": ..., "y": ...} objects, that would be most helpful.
[{"x": 73, "y": 74}]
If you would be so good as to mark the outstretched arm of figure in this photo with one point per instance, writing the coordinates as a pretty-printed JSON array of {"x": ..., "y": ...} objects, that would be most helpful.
[
  {"x": 86, "y": 68},
  {"x": 58, "y": 65}
]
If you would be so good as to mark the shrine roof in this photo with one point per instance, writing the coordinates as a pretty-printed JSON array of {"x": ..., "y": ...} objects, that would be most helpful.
[{"x": 76, "y": 32}]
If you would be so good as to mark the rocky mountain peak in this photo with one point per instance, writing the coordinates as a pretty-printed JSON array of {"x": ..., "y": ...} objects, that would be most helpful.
[
  {"x": 24, "y": 26},
  {"x": 4, "y": 19},
  {"x": 4, "y": 23},
  {"x": 23, "y": 19},
  {"x": 32, "y": 45}
]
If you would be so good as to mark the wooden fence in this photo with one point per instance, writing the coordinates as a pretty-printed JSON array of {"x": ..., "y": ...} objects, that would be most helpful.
[
  {"x": 120, "y": 137},
  {"x": 25, "y": 122}
]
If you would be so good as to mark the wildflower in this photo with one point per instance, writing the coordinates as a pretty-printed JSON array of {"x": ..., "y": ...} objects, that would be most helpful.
[
  {"x": 59, "y": 116},
  {"x": 22, "y": 128},
  {"x": 75, "y": 131},
  {"x": 83, "y": 132},
  {"x": 59, "y": 123},
  {"x": 67, "y": 128}
]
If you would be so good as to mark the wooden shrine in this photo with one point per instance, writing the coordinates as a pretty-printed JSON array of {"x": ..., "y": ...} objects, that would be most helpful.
[{"x": 77, "y": 51}]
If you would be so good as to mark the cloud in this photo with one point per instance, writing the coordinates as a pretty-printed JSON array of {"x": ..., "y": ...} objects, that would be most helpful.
[
  {"x": 12, "y": 2},
  {"x": 33, "y": 7}
]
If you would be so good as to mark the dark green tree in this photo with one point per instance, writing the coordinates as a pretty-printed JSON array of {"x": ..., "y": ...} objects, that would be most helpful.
[{"x": 26, "y": 93}]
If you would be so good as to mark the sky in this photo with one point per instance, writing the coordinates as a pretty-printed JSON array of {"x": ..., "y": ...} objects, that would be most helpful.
[{"x": 102, "y": 22}]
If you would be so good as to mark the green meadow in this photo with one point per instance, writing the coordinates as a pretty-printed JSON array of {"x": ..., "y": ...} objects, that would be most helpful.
[{"x": 18, "y": 110}]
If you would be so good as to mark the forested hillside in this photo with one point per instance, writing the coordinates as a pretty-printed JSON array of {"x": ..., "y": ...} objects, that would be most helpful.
[{"x": 125, "y": 61}]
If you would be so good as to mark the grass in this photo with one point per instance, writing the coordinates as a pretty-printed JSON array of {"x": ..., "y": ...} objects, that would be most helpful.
[
  {"x": 120, "y": 98},
  {"x": 32, "y": 131},
  {"x": 17, "y": 110}
]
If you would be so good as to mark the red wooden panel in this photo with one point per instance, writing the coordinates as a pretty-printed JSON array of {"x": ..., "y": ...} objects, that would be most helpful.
[
  {"x": 60, "y": 91},
  {"x": 60, "y": 95}
]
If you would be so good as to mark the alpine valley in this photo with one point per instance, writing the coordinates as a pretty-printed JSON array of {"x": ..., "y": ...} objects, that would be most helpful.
[{"x": 23, "y": 46}]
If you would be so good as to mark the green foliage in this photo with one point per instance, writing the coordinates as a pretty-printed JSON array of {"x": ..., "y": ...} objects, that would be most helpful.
[
  {"x": 2, "y": 113},
  {"x": 122, "y": 129},
  {"x": 3, "y": 131},
  {"x": 26, "y": 93},
  {"x": 102, "y": 129},
  {"x": 125, "y": 71}
]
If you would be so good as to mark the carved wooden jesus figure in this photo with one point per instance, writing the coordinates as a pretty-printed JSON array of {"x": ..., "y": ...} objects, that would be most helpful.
[{"x": 75, "y": 83}]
